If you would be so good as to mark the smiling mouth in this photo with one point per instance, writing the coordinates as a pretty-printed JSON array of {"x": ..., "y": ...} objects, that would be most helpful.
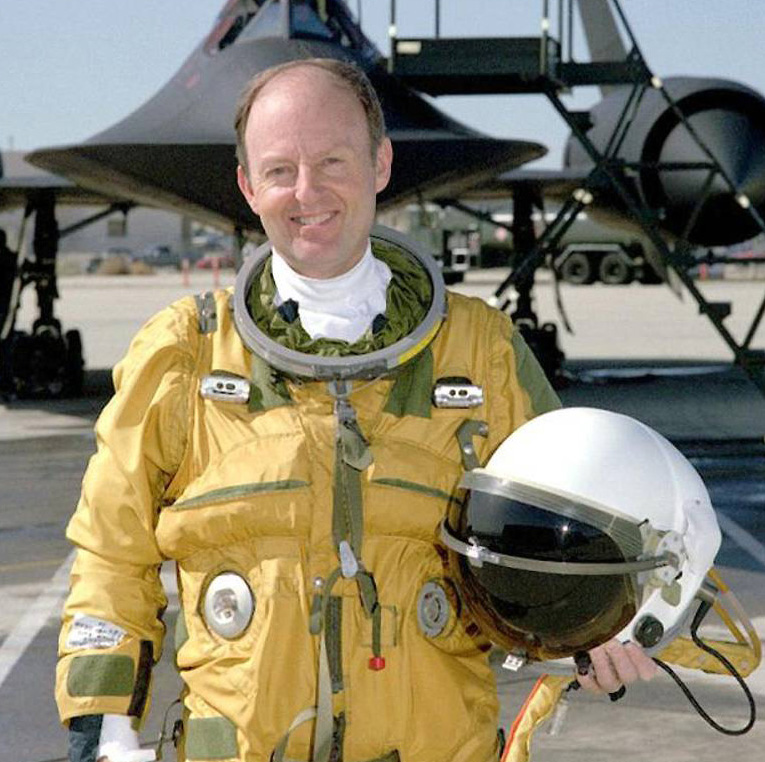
[{"x": 313, "y": 219}]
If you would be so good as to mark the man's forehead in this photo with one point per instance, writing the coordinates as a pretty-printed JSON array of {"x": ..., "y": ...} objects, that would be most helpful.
[
  {"x": 302, "y": 77},
  {"x": 298, "y": 99},
  {"x": 277, "y": 148}
]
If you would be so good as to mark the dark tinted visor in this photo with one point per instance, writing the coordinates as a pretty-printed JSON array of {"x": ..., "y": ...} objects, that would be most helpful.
[{"x": 543, "y": 615}]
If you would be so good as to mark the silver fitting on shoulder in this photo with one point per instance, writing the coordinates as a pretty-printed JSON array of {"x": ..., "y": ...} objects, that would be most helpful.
[
  {"x": 457, "y": 392},
  {"x": 225, "y": 387}
]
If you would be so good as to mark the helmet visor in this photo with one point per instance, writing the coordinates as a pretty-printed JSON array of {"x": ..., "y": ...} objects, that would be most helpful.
[{"x": 543, "y": 615}]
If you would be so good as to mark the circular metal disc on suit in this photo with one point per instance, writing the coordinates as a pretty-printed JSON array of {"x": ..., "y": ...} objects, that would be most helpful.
[
  {"x": 228, "y": 605},
  {"x": 433, "y": 609}
]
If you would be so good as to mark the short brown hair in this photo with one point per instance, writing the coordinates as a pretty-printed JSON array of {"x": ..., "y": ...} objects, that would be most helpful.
[{"x": 347, "y": 74}]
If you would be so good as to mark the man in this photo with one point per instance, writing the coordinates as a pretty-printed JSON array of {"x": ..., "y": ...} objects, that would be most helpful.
[{"x": 318, "y": 620}]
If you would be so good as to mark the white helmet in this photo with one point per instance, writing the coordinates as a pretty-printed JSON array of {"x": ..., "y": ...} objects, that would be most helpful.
[{"x": 584, "y": 525}]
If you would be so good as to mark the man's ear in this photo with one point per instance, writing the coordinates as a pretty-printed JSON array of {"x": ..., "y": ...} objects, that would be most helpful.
[
  {"x": 383, "y": 164},
  {"x": 246, "y": 187}
]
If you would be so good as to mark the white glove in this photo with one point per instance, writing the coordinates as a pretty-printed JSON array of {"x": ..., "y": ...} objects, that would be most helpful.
[{"x": 119, "y": 742}]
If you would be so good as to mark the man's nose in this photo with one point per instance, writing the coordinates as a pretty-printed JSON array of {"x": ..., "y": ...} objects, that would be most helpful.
[{"x": 307, "y": 184}]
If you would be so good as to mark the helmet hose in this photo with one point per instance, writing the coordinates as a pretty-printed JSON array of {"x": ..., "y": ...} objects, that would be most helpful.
[
  {"x": 584, "y": 666},
  {"x": 701, "y": 612}
]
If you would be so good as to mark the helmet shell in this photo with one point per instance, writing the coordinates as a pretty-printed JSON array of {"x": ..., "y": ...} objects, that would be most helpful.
[{"x": 584, "y": 472}]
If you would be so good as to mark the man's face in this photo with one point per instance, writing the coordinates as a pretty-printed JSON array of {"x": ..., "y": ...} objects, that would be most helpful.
[{"x": 312, "y": 178}]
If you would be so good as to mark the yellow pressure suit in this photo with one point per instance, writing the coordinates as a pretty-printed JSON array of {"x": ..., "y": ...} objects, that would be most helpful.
[{"x": 223, "y": 487}]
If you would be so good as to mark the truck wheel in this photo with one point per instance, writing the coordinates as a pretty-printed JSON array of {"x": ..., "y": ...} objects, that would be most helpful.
[
  {"x": 614, "y": 270},
  {"x": 577, "y": 269}
]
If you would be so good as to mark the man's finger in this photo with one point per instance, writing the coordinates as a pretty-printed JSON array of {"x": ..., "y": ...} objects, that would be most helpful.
[
  {"x": 603, "y": 668},
  {"x": 623, "y": 666},
  {"x": 589, "y": 683},
  {"x": 615, "y": 664},
  {"x": 644, "y": 664}
]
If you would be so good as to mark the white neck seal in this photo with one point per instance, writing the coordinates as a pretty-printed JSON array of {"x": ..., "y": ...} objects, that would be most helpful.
[{"x": 335, "y": 308}]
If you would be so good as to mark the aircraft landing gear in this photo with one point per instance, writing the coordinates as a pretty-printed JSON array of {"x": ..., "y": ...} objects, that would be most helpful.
[
  {"x": 46, "y": 362},
  {"x": 542, "y": 339},
  {"x": 529, "y": 254},
  {"x": 42, "y": 363}
]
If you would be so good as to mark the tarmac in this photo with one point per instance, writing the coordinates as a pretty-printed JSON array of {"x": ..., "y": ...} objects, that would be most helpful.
[{"x": 637, "y": 350}]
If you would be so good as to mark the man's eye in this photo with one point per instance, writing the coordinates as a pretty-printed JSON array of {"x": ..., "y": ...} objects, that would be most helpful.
[{"x": 276, "y": 171}]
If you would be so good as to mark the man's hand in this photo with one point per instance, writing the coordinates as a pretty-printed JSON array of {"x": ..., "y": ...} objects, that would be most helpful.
[{"x": 615, "y": 664}]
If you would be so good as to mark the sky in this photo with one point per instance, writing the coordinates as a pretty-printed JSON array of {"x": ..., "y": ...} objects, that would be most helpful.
[{"x": 71, "y": 68}]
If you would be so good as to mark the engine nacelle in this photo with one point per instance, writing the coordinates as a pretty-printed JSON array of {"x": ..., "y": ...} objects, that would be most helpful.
[{"x": 730, "y": 120}]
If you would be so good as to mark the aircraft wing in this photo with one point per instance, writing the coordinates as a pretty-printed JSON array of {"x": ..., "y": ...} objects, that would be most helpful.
[
  {"x": 199, "y": 180},
  {"x": 176, "y": 151},
  {"x": 20, "y": 181},
  {"x": 15, "y": 192},
  {"x": 556, "y": 184}
]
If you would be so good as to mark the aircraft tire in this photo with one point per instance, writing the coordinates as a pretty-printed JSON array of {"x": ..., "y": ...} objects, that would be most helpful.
[
  {"x": 614, "y": 270},
  {"x": 74, "y": 369}
]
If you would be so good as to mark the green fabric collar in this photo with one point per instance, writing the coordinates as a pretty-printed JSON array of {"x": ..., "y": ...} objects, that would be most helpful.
[{"x": 407, "y": 300}]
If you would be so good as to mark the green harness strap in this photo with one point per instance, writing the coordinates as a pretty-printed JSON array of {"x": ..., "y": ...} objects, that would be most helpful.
[
  {"x": 412, "y": 390},
  {"x": 268, "y": 388},
  {"x": 352, "y": 456},
  {"x": 465, "y": 433},
  {"x": 322, "y": 713}
]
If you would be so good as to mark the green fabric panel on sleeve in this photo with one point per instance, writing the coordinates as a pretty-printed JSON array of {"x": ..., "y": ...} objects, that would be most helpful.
[
  {"x": 532, "y": 378},
  {"x": 211, "y": 738},
  {"x": 101, "y": 675}
]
